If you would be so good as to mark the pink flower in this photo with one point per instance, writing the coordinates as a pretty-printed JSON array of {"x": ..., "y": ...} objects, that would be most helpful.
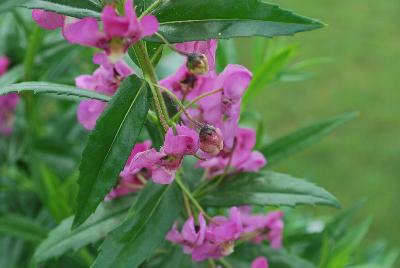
[
  {"x": 119, "y": 31},
  {"x": 223, "y": 110},
  {"x": 130, "y": 180},
  {"x": 241, "y": 157},
  {"x": 221, "y": 235},
  {"x": 163, "y": 164},
  {"x": 187, "y": 85},
  {"x": 208, "y": 48},
  {"x": 106, "y": 80},
  {"x": 8, "y": 103},
  {"x": 48, "y": 20},
  {"x": 192, "y": 235},
  {"x": 260, "y": 262},
  {"x": 265, "y": 227},
  {"x": 4, "y": 63}
]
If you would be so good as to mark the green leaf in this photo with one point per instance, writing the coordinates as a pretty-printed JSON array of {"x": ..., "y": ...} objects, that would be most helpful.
[
  {"x": 110, "y": 144},
  {"x": 187, "y": 20},
  {"x": 22, "y": 228},
  {"x": 268, "y": 188},
  {"x": 268, "y": 71},
  {"x": 153, "y": 214},
  {"x": 58, "y": 89},
  {"x": 62, "y": 239},
  {"x": 11, "y": 76},
  {"x": 340, "y": 254},
  {"x": 73, "y": 8},
  {"x": 7, "y": 5},
  {"x": 300, "y": 139},
  {"x": 50, "y": 191}
]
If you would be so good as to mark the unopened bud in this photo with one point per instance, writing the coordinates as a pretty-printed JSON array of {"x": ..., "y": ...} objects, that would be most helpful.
[
  {"x": 211, "y": 140},
  {"x": 197, "y": 63}
]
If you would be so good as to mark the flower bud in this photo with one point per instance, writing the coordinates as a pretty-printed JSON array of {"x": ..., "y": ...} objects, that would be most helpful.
[
  {"x": 197, "y": 63},
  {"x": 211, "y": 140}
]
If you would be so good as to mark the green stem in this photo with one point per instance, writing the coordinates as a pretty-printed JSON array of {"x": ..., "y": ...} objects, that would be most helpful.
[
  {"x": 190, "y": 196},
  {"x": 35, "y": 41},
  {"x": 194, "y": 101},
  {"x": 151, "y": 8},
  {"x": 183, "y": 109},
  {"x": 151, "y": 78},
  {"x": 225, "y": 263},
  {"x": 86, "y": 256}
]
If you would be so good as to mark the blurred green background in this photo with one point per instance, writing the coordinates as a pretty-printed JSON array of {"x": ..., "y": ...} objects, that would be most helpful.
[{"x": 360, "y": 159}]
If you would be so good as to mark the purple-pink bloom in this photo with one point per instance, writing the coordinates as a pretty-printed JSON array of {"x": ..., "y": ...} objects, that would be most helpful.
[
  {"x": 8, "y": 103},
  {"x": 163, "y": 164},
  {"x": 119, "y": 31},
  {"x": 105, "y": 80},
  {"x": 192, "y": 235},
  {"x": 260, "y": 262},
  {"x": 187, "y": 85},
  {"x": 130, "y": 180},
  {"x": 241, "y": 158},
  {"x": 264, "y": 227},
  {"x": 47, "y": 19},
  {"x": 208, "y": 48},
  {"x": 223, "y": 110},
  {"x": 221, "y": 235}
]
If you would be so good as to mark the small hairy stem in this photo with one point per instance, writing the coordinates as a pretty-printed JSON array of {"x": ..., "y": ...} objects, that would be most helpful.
[
  {"x": 225, "y": 263},
  {"x": 151, "y": 78},
  {"x": 180, "y": 105},
  {"x": 211, "y": 263},
  {"x": 151, "y": 8},
  {"x": 190, "y": 196},
  {"x": 187, "y": 205},
  {"x": 194, "y": 101}
]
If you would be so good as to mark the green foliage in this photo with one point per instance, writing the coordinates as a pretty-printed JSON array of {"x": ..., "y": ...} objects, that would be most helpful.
[
  {"x": 62, "y": 239},
  {"x": 153, "y": 214},
  {"x": 73, "y": 8},
  {"x": 300, "y": 139},
  {"x": 267, "y": 189},
  {"x": 22, "y": 228},
  {"x": 110, "y": 144},
  {"x": 52, "y": 88},
  {"x": 186, "y": 20}
]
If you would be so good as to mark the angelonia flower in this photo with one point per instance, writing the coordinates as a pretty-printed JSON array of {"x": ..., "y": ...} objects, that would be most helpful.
[
  {"x": 105, "y": 80},
  {"x": 119, "y": 31},
  {"x": 131, "y": 180},
  {"x": 220, "y": 111},
  {"x": 260, "y": 262},
  {"x": 117, "y": 34},
  {"x": 164, "y": 163},
  {"x": 8, "y": 103},
  {"x": 217, "y": 238}
]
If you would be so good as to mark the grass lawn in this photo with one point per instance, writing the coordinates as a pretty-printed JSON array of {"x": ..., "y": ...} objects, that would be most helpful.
[{"x": 362, "y": 159}]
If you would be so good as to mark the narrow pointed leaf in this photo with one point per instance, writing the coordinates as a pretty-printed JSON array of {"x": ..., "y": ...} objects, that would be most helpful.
[
  {"x": 73, "y": 8},
  {"x": 62, "y": 239},
  {"x": 110, "y": 144},
  {"x": 153, "y": 214},
  {"x": 267, "y": 189},
  {"x": 22, "y": 228},
  {"x": 300, "y": 139},
  {"x": 187, "y": 20},
  {"x": 52, "y": 88}
]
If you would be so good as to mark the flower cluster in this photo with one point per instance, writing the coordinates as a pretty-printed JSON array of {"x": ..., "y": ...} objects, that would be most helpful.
[
  {"x": 220, "y": 109},
  {"x": 118, "y": 32},
  {"x": 207, "y": 127},
  {"x": 217, "y": 238},
  {"x": 8, "y": 103},
  {"x": 106, "y": 80}
]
